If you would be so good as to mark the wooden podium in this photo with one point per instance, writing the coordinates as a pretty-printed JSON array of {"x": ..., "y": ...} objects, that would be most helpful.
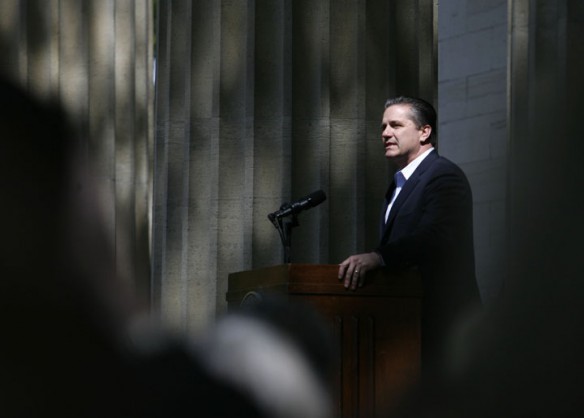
[{"x": 377, "y": 328}]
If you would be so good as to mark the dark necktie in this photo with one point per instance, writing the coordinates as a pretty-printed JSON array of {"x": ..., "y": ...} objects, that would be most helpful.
[{"x": 399, "y": 181}]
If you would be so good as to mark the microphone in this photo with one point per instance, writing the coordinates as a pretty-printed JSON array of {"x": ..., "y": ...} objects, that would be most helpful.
[{"x": 307, "y": 202}]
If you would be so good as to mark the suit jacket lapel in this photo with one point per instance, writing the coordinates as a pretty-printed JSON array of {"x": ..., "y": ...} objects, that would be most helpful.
[
  {"x": 388, "y": 196},
  {"x": 407, "y": 189}
]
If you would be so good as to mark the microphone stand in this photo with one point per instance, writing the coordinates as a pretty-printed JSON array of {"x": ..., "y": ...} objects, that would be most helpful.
[{"x": 285, "y": 230}]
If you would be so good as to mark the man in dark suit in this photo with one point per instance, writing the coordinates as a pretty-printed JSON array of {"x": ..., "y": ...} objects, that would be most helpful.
[{"x": 426, "y": 224}]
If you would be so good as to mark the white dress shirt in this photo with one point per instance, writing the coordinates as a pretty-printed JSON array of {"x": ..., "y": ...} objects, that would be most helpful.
[{"x": 400, "y": 177}]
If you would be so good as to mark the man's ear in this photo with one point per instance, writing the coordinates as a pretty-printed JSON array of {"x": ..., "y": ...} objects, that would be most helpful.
[{"x": 426, "y": 131}]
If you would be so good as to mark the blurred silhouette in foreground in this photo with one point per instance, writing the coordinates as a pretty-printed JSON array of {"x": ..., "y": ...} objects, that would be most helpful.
[
  {"x": 74, "y": 342},
  {"x": 278, "y": 352},
  {"x": 68, "y": 344}
]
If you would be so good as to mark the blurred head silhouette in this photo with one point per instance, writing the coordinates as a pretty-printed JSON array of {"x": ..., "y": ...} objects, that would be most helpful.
[
  {"x": 278, "y": 352},
  {"x": 56, "y": 307},
  {"x": 68, "y": 345}
]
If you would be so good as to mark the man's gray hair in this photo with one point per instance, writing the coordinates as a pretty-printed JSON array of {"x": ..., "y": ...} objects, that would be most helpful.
[{"x": 423, "y": 113}]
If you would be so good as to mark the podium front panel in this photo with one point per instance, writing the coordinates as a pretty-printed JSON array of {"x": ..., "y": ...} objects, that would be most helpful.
[{"x": 376, "y": 328}]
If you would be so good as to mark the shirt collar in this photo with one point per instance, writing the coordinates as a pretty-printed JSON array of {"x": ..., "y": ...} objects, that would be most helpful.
[{"x": 409, "y": 169}]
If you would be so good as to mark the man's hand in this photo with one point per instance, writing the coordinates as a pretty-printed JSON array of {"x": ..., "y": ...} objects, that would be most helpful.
[{"x": 354, "y": 268}]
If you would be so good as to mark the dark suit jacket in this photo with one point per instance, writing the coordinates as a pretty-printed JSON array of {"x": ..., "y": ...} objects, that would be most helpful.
[{"x": 430, "y": 227}]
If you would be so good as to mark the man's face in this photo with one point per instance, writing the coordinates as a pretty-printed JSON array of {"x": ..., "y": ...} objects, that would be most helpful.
[{"x": 402, "y": 139}]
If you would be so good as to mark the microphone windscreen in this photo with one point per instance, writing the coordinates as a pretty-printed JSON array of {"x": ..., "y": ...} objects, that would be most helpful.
[{"x": 316, "y": 198}]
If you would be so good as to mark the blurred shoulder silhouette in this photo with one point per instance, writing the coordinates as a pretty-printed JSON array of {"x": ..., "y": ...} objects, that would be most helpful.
[{"x": 277, "y": 351}]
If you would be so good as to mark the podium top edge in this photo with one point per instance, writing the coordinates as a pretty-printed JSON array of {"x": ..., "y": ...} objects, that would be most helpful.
[{"x": 323, "y": 278}]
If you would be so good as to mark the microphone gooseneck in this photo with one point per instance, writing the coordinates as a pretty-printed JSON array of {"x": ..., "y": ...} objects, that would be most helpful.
[{"x": 293, "y": 209}]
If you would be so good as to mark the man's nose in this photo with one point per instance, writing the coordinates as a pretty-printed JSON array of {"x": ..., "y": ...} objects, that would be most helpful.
[{"x": 386, "y": 133}]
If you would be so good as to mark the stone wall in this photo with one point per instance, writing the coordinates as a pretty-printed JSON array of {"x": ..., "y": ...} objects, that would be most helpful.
[
  {"x": 472, "y": 112},
  {"x": 260, "y": 103},
  {"x": 95, "y": 58}
]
